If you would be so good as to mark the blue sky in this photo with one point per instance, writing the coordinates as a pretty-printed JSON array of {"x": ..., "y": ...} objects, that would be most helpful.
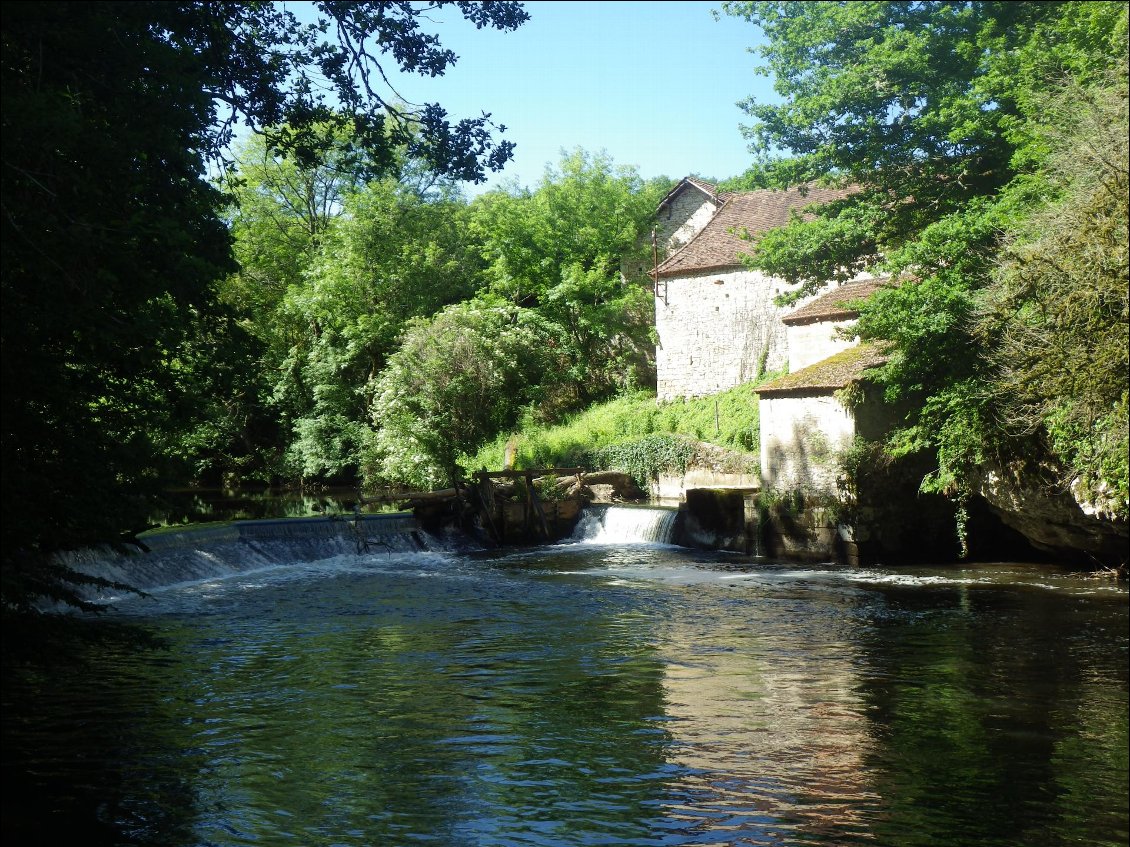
[{"x": 653, "y": 84}]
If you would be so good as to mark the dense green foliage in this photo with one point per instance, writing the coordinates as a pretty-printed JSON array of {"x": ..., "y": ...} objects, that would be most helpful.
[
  {"x": 332, "y": 266},
  {"x": 114, "y": 239},
  {"x": 648, "y": 457},
  {"x": 635, "y": 434},
  {"x": 939, "y": 113},
  {"x": 1057, "y": 311},
  {"x": 560, "y": 248},
  {"x": 456, "y": 380},
  {"x": 402, "y": 325},
  {"x": 392, "y": 256}
]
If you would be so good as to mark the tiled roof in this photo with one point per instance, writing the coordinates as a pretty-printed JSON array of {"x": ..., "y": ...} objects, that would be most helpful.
[
  {"x": 718, "y": 244},
  {"x": 701, "y": 184},
  {"x": 828, "y": 375},
  {"x": 833, "y": 305}
]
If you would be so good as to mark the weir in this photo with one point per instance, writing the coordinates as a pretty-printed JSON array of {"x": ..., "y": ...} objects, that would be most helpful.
[
  {"x": 196, "y": 554},
  {"x": 200, "y": 553},
  {"x": 626, "y": 525}
]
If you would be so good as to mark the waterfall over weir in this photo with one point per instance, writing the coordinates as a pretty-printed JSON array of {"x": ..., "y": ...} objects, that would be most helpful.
[
  {"x": 205, "y": 553},
  {"x": 626, "y": 525}
]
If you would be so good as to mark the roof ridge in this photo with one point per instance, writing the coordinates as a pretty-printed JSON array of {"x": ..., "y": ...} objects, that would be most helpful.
[
  {"x": 701, "y": 184},
  {"x": 693, "y": 238},
  {"x": 753, "y": 212}
]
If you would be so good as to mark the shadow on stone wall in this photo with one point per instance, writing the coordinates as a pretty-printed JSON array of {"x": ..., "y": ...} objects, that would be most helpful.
[
  {"x": 718, "y": 519},
  {"x": 808, "y": 464},
  {"x": 885, "y": 518}
]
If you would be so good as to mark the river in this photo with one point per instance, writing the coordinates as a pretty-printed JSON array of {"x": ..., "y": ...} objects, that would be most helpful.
[{"x": 607, "y": 691}]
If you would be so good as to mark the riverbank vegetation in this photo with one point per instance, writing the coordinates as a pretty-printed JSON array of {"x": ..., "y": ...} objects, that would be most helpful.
[
  {"x": 412, "y": 325},
  {"x": 989, "y": 144},
  {"x": 635, "y": 434},
  {"x": 331, "y": 308},
  {"x": 119, "y": 346}
]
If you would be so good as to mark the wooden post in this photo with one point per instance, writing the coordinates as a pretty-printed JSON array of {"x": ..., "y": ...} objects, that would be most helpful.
[
  {"x": 537, "y": 503},
  {"x": 486, "y": 504}
]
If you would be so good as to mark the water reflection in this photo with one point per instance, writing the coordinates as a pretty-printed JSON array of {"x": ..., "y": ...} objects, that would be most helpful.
[
  {"x": 772, "y": 733},
  {"x": 195, "y": 505},
  {"x": 975, "y": 696},
  {"x": 584, "y": 697}
]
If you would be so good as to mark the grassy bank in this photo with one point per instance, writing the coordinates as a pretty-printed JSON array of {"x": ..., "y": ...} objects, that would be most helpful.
[{"x": 635, "y": 434}]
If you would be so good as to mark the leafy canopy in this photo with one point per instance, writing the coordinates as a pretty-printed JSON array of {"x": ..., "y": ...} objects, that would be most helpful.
[
  {"x": 456, "y": 381},
  {"x": 935, "y": 111},
  {"x": 114, "y": 240}
]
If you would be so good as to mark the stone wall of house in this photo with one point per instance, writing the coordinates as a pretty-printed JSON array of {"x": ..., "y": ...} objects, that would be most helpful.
[
  {"x": 680, "y": 219},
  {"x": 813, "y": 342},
  {"x": 675, "y": 225},
  {"x": 716, "y": 330},
  {"x": 800, "y": 439}
]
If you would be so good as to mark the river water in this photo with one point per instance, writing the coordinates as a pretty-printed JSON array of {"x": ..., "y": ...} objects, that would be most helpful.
[{"x": 591, "y": 693}]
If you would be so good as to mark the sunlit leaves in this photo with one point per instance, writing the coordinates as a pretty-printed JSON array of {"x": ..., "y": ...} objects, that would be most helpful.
[
  {"x": 1058, "y": 311},
  {"x": 943, "y": 115},
  {"x": 457, "y": 379}
]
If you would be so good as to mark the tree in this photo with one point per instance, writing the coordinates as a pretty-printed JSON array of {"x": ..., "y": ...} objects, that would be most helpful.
[
  {"x": 279, "y": 213},
  {"x": 933, "y": 110},
  {"x": 457, "y": 380},
  {"x": 394, "y": 256},
  {"x": 559, "y": 250},
  {"x": 1057, "y": 313},
  {"x": 114, "y": 239}
]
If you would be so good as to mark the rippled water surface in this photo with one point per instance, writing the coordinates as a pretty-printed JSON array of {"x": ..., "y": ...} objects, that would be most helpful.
[{"x": 585, "y": 695}]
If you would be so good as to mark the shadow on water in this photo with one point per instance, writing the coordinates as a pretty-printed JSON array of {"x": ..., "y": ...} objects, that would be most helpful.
[
  {"x": 200, "y": 505},
  {"x": 582, "y": 694}
]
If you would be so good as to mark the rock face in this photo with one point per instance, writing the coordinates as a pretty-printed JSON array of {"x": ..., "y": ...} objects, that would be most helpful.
[{"x": 1057, "y": 521}]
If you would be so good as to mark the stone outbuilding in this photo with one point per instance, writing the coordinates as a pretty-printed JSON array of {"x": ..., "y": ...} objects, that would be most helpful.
[
  {"x": 808, "y": 423},
  {"x": 805, "y": 423},
  {"x": 821, "y": 328},
  {"x": 716, "y": 320},
  {"x": 806, "y": 426}
]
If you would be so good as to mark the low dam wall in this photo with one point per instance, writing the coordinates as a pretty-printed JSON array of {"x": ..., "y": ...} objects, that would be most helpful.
[{"x": 342, "y": 527}]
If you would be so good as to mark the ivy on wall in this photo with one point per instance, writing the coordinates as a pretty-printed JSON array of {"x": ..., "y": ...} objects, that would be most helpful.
[{"x": 646, "y": 458}]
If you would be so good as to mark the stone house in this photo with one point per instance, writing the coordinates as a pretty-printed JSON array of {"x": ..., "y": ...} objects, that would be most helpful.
[
  {"x": 716, "y": 321},
  {"x": 718, "y": 327},
  {"x": 804, "y": 423}
]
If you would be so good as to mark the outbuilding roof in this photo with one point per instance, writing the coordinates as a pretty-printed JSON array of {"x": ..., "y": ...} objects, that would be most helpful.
[
  {"x": 827, "y": 375},
  {"x": 718, "y": 244},
  {"x": 707, "y": 188},
  {"x": 834, "y": 305}
]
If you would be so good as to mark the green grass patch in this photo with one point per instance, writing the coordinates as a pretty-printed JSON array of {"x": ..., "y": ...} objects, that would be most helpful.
[{"x": 633, "y": 433}]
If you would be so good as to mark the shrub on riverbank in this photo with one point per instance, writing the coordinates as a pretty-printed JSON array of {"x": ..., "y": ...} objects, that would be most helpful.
[{"x": 632, "y": 425}]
